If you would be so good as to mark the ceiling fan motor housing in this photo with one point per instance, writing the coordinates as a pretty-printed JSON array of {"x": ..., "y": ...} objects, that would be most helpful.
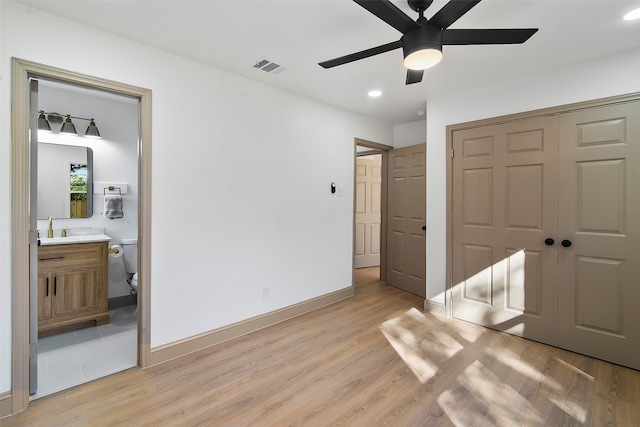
[{"x": 426, "y": 36}]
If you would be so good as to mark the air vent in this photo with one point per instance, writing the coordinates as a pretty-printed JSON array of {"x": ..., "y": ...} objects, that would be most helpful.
[{"x": 269, "y": 66}]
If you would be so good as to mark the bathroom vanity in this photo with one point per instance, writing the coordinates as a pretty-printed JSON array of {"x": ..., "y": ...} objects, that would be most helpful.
[{"x": 72, "y": 283}]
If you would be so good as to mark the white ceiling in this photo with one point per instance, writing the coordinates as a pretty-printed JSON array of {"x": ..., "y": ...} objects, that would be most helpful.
[{"x": 233, "y": 34}]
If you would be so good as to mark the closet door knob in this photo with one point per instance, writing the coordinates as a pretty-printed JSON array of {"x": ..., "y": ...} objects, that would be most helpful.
[
  {"x": 549, "y": 241},
  {"x": 566, "y": 243}
]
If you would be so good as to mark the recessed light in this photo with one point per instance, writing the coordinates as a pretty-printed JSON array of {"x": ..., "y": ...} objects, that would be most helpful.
[
  {"x": 634, "y": 14},
  {"x": 375, "y": 93}
]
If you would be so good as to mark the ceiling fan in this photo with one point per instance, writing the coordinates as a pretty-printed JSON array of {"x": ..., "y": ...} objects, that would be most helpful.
[{"x": 422, "y": 40}]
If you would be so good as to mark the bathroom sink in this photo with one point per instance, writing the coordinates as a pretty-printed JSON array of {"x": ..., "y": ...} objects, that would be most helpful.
[{"x": 74, "y": 239}]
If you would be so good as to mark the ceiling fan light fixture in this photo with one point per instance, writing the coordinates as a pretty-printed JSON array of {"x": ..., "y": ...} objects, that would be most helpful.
[
  {"x": 422, "y": 47},
  {"x": 423, "y": 59}
]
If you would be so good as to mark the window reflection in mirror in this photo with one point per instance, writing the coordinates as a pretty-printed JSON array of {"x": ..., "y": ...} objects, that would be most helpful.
[
  {"x": 65, "y": 181},
  {"x": 78, "y": 186}
]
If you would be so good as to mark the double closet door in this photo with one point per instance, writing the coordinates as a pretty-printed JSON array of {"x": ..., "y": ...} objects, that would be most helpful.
[{"x": 546, "y": 229}]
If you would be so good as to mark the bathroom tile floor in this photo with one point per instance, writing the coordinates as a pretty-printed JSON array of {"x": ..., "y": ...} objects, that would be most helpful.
[{"x": 76, "y": 357}]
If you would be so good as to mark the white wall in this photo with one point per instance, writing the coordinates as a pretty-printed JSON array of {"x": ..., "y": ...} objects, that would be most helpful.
[
  {"x": 236, "y": 207},
  {"x": 408, "y": 134},
  {"x": 607, "y": 76}
]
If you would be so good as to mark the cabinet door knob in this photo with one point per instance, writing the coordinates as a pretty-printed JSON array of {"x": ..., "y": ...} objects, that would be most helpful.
[
  {"x": 549, "y": 241},
  {"x": 566, "y": 243}
]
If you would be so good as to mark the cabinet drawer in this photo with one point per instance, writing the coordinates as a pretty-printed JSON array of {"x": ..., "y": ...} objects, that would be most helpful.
[{"x": 55, "y": 256}]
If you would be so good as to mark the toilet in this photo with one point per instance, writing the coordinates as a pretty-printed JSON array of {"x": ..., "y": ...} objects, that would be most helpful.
[{"x": 130, "y": 248}]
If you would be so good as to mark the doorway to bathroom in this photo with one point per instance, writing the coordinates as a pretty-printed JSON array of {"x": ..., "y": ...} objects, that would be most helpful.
[
  {"x": 78, "y": 178},
  {"x": 128, "y": 325}
]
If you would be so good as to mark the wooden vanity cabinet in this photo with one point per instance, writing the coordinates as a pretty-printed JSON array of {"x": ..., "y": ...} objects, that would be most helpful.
[{"x": 72, "y": 286}]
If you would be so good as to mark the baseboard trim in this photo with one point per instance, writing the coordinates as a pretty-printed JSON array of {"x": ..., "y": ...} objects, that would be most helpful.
[
  {"x": 435, "y": 308},
  {"x": 6, "y": 404},
  {"x": 180, "y": 348},
  {"x": 122, "y": 301}
]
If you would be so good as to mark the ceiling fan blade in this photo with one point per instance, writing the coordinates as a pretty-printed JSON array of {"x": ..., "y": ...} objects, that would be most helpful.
[
  {"x": 389, "y": 13},
  {"x": 452, "y": 11},
  {"x": 414, "y": 76},
  {"x": 490, "y": 36},
  {"x": 361, "y": 55}
]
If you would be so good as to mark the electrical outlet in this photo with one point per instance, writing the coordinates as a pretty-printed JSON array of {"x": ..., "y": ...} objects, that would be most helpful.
[{"x": 266, "y": 293}]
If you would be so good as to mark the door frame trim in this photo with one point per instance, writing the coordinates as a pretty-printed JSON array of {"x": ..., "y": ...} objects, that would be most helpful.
[
  {"x": 22, "y": 70},
  {"x": 450, "y": 129},
  {"x": 382, "y": 149}
]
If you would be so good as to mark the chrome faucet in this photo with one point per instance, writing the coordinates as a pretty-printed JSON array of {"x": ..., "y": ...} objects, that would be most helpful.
[{"x": 50, "y": 232}]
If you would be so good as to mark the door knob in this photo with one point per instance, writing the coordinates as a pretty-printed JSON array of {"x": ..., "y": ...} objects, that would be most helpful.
[
  {"x": 424, "y": 228},
  {"x": 549, "y": 241},
  {"x": 566, "y": 243}
]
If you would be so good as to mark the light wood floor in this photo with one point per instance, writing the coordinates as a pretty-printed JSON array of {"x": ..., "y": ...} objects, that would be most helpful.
[{"x": 375, "y": 359}]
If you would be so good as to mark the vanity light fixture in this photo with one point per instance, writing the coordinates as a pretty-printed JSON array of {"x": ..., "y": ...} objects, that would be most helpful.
[
  {"x": 43, "y": 123},
  {"x": 92, "y": 130},
  {"x": 67, "y": 127}
]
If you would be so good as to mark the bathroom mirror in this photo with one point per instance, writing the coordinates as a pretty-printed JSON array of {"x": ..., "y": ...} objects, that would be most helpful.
[{"x": 65, "y": 181}]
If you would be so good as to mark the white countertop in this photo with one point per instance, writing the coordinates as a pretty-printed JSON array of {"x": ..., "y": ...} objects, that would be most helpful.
[{"x": 44, "y": 241}]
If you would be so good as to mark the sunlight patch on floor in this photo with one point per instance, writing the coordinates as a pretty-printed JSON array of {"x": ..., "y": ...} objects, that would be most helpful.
[
  {"x": 480, "y": 388},
  {"x": 407, "y": 345},
  {"x": 419, "y": 346},
  {"x": 572, "y": 409},
  {"x": 574, "y": 369},
  {"x": 515, "y": 362},
  {"x": 503, "y": 386}
]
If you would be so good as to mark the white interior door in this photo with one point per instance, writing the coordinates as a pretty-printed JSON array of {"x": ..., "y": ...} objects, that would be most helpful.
[
  {"x": 599, "y": 280},
  {"x": 505, "y": 195},
  {"x": 406, "y": 241},
  {"x": 368, "y": 204}
]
